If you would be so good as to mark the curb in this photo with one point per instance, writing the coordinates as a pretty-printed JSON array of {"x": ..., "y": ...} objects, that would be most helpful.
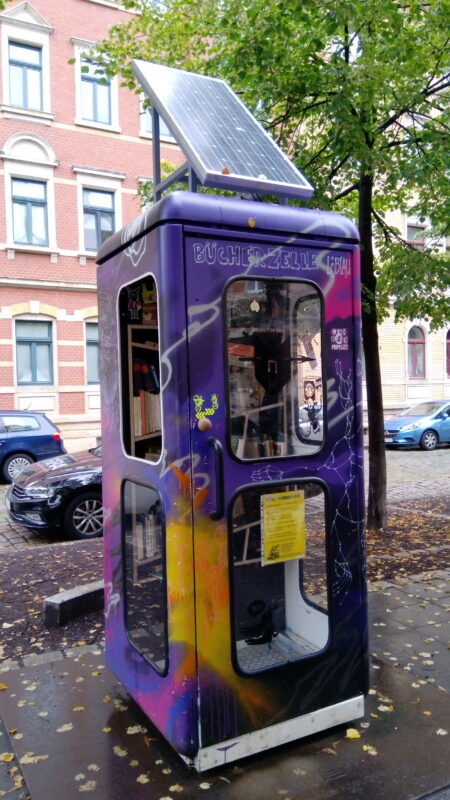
[{"x": 64, "y": 606}]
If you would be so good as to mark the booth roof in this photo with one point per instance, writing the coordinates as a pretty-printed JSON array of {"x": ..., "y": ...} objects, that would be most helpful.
[{"x": 232, "y": 214}]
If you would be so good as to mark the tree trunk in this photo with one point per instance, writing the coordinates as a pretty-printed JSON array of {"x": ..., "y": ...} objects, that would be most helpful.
[{"x": 376, "y": 479}]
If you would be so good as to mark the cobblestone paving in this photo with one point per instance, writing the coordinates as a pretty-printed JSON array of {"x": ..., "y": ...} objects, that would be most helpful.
[{"x": 411, "y": 474}]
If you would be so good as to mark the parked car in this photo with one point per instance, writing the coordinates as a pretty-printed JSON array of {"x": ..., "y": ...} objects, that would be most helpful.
[
  {"x": 25, "y": 437},
  {"x": 62, "y": 493},
  {"x": 424, "y": 425}
]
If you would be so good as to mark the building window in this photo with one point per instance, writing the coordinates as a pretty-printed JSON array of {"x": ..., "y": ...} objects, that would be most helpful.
[
  {"x": 416, "y": 352},
  {"x": 25, "y": 76},
  {"x": 98, "y": 216},
  {"x": 95, "y": 94},
  {"x": 92, "y": 359},
  {"x": 29, "y": 201},
  {"x": 415, "y": 235},
  {"x": 34, "y": 352},
  {"x": 448, "y": 353},
  {"x": 147, "y": 126}
]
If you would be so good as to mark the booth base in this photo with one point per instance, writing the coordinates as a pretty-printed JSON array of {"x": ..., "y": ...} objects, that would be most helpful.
[{"x": 251, "y": 743}]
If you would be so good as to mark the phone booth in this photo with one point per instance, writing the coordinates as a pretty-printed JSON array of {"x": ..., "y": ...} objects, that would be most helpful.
[{"x": 235, "y": 597}]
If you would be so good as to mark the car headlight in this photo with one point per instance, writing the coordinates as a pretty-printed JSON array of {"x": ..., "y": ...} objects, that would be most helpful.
[
  {"x": 40, "y": 492},
  {"x": 412, "y": 427}
]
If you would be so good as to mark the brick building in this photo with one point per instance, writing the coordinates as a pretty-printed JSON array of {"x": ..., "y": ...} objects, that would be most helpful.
[{"x": 73, "y": 152}]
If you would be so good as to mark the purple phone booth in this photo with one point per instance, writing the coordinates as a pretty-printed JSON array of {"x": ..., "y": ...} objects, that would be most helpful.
[{"x": 233, "y": 472}]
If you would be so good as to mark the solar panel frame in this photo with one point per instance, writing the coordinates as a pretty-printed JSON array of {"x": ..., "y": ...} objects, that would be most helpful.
[{"x": 223, "y": 142}]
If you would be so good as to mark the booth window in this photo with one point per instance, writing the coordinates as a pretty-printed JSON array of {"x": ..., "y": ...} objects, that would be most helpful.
[
  {"x": 141, "y": 396},
  {"x": 275, "y": 373},
  {"x": 278, "y": 575},
  {"x": 145, "y": 573}
]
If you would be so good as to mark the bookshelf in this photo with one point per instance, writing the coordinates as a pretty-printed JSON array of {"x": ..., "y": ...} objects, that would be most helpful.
[
  {"x": 145, "y": 405},
  {"x": 140, "y": 356}
]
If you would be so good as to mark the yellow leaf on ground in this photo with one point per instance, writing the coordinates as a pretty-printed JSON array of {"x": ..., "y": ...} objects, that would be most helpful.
[
  {"x": 352, "y": 733},
  {"x": 6, "y": 757}
]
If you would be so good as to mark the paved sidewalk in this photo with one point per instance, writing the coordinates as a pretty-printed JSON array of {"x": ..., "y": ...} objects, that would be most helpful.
[
  {"x": 76, "y": 730},
  {"x": 73, "y": 729}
]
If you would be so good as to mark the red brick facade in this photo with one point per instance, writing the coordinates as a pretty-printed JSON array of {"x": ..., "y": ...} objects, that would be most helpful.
[{"x": 54, "y": 144}]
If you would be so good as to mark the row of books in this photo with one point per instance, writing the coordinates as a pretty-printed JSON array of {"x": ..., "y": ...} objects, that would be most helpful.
[
  {"x": 147, "y": 413},
  {"x": 145, "y": 377}
]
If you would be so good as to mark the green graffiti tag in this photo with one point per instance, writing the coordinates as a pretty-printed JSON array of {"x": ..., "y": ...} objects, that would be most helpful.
[{"x": 199, "y": 402}]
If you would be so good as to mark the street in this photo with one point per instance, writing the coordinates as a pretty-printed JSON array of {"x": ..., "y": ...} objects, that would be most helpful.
[{"x": 410, "y": 473}]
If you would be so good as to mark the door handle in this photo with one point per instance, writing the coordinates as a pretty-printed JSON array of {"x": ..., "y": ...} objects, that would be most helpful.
[{"x": 218, "y": 464}]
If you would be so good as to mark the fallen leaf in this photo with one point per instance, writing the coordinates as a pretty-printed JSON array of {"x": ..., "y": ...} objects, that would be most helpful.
[
  {"x": 120, "y": 751},
  {"x": 64, "y": 728},
  {"x": 6, "y": 757},
  {"x": 441, "y": 732},
  {"x": 31, "y": 758},
  {"x": 352, "y": 733},
  {"x": 89, "y": 786},
  {"x": 372, "y": 751},
  {"x": 142, "y": 779},
  {"x": 3, "y": 686}
]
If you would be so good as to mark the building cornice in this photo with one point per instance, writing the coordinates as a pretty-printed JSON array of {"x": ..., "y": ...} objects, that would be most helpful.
[{"x": 55, "y": 285}]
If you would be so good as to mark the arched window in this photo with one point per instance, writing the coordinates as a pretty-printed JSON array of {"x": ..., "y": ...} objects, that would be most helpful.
[
  {"x": 448, "y": 354},
  {"x": 416, "y": 352}
]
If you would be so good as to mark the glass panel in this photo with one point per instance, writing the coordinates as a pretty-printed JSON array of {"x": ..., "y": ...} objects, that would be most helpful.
[
  {"x": 90, "y": 231},
  {"x": 275, "y": 368},
  {"x": 16, "y": 97},
  {"x": 420, "y": 360},
  {"x": 92, "y": 363},
  {"x": 87, "y": 100},
  {"x": 39, "y": 225},
  {"x": 145, "y": 573},
  {"x": 29, "y": 329},
  {"x": 24, "y": 373},
  {"x": 280, "y": 610},
  {"x": 27, "y": 55},
  {"x": 43, "y": 363},
  {"x": 92, "y": 331},
  {"x": 20, "y": 223},
  {"x": 106, "y": 226},
  {"x": 141, "y": 396},
  {"x": 103, "y": 104},
  {"x": 415, "y": 333},
  {"x": 20, "y": 423},
  {"x": 96, "y": 199},
  {"x": 34, "y": 94},
  {"x": 29, "y": 190}
]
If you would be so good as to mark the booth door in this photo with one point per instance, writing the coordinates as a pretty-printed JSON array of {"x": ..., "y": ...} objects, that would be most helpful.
[{"x": 256, "y": 373}]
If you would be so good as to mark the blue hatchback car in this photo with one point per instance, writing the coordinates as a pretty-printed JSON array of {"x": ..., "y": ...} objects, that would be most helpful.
[
  {"x": 424, "y": 425},
  {"x": 26, "y": 436}
]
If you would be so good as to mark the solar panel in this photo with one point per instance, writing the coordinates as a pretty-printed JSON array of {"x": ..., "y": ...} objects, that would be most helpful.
[{"x": 223, "y": 142}]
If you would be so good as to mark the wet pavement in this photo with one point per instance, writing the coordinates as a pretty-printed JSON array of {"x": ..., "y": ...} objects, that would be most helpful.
[{"x": 74, "y": 730}]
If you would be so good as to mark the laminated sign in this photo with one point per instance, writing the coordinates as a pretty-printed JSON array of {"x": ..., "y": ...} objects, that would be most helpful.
[{"x": 283, "y": 526}]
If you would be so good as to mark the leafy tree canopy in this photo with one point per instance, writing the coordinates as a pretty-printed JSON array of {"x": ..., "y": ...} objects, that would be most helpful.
[{"x": 348, "y": 88}]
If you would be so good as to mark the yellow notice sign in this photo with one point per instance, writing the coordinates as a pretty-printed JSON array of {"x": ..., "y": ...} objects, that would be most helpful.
[{"x": 283, "y": 526}]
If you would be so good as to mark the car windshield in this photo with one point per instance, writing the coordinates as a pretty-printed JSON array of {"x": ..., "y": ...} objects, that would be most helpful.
[{"x": 421, "y": 410}]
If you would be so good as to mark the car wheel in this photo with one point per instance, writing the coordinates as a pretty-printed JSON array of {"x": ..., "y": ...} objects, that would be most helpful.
[
  {"x": 429, "y": 440},
  {"x": 83, "y": 517},
  {"x": 15, "y": 463}
]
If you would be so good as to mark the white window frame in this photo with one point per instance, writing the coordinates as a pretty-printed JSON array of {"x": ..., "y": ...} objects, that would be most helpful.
[
  {"x": 33, "y": 34},
  {"x": 80, "y": 52},
  {"x": 100, "y": 181},
  {"x": 42, "y": 170}
]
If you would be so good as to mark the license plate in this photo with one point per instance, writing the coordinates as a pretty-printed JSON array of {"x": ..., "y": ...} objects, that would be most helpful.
[{"x": 388, "y": 439}]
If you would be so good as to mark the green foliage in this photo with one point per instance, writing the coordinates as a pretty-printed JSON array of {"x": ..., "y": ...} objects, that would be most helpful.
[{"x": 348, "y": 88}]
